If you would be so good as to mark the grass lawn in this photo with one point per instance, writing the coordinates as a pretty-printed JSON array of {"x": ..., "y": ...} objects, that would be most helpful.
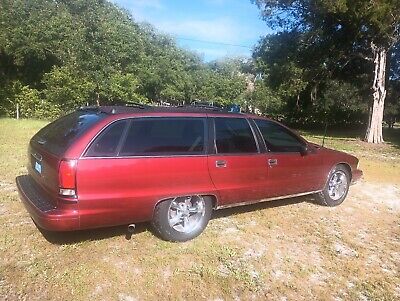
[{"x": 283, "y": 250}]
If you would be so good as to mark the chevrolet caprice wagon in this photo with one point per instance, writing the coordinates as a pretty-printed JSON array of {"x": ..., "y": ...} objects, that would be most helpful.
[{"x": 107, "y": 166}]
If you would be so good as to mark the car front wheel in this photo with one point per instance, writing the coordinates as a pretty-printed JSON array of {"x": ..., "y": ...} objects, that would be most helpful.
[
  {"x": 336, "y": 188},
  {"x": 182, "y": 218}
]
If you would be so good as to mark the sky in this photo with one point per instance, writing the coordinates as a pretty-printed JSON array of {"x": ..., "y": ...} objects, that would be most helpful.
[{"x": 212, "y": 28}]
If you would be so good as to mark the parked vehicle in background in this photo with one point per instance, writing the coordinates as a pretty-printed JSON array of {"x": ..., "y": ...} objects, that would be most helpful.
[{"x": 107, "y": 166}]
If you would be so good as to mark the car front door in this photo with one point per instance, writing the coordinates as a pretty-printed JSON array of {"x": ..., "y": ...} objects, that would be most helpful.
[
  {"x": 291, "y": 169},
  {"x": 238, "y": 169}
]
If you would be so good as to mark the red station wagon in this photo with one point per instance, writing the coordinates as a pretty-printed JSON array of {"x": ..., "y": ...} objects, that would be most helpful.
[{"x": 107, "y": 166}]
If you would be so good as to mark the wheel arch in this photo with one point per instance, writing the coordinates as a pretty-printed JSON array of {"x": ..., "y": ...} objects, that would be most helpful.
[
  {"x": 345, "y": 165},
  {"x": 212, "y": 197}
]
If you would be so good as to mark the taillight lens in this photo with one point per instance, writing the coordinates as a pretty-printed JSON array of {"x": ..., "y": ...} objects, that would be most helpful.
[{"x": 67, "y": 174}]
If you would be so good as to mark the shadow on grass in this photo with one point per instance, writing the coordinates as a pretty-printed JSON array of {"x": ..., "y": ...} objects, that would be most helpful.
[
  {"x": 262, "y": 205},
  {"x": 73, "y": 237},
  {"x": 392, "y": 136}
]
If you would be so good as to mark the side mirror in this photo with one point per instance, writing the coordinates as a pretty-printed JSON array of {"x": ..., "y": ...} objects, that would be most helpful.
[{"x": 304, "y": 150}]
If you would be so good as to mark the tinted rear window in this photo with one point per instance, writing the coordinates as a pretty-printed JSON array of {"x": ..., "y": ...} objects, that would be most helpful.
[
  {"x": 57, "y": 136},
  {"x": 165, "y": 136},
  {"x": 106, "y": 144}
]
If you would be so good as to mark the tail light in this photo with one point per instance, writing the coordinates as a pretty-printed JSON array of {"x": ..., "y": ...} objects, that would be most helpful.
[{"x": 67, "y": 178}]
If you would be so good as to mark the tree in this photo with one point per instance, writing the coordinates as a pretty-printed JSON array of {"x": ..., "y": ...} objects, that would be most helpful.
[
  {"x": 263, "y": 99},
  {"x": 347, "y": 31},
  {"x": 67, "y": 88},
  {"x": 280, "y": 58},
  {"x": 64, "y": 54},
  {"x": 123, "y": 87}
]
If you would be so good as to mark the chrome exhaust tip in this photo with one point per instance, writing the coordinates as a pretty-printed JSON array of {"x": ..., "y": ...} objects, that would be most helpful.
[{"x": 131, "y": 228}]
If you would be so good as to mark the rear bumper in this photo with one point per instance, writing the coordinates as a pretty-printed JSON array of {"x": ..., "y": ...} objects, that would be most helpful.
[
  {"x": 356, "y": 176},
  {"x": 42, "y": 211}
]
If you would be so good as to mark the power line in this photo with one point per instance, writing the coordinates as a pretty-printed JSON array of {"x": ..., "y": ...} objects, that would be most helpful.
[{"x": 211, "y": 42}]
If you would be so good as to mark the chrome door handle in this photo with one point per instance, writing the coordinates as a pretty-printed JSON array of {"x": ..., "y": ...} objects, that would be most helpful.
[
  {"x": 220, "y": 163},
  {"x": 272, "y": 162}
]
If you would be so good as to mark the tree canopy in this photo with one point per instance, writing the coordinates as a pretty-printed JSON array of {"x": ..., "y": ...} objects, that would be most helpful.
[
  {"x": 321, "y": 44},
  {"x": 59, "y": 55},
  {"x": 335, "y": 61}
]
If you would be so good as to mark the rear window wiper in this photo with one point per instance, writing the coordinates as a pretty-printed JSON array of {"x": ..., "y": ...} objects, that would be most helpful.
[{"x": 41, "y": 141}]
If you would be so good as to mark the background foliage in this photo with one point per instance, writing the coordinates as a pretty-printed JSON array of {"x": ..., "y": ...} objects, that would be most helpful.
[
  {"x": 320, "y": 59},
  {"x": 59, "y": 55}
]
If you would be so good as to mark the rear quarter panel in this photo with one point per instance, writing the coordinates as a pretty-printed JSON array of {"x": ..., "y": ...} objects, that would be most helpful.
[{"x": 114, "y": 191}]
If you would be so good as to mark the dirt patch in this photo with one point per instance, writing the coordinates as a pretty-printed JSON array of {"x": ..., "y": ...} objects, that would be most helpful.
[
  {"x": 7, "y": 187},
  {"x": 284, "y": 250},
  {"x": 381, "y": 194}
]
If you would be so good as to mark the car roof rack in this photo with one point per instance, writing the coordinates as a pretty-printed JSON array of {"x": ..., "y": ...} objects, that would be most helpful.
[
  {"x": 137, "y": 105},
  {"x": 202, "y": 106},
  {"x": 89, "y": 108},
  {"x": 112, "y": 109}
]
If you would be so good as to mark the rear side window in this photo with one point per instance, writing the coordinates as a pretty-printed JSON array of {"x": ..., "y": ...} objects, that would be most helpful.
[
  {"x": 164, "y": 136},
  {"x": 57, "y": 136},
  {"x": 234, "y": 135},
  {"x": 106, "y": 144},
  {"x": 278, "y": 138}
]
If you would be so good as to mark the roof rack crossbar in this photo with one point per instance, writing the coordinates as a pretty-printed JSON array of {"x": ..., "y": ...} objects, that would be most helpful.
[
  {"x": 203, "y": 106},
  {"x": 89, "y": 108},
  {"x": 137, "y": 105}
]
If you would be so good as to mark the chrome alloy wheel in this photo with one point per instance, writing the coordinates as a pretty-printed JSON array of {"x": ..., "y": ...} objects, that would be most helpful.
[
  {"x": 337, "y": 185},
  {"x": 185, "y": 214}
]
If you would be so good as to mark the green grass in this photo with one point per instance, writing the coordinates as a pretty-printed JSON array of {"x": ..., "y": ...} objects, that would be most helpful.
[
  {"x": 265, "y": 251},
  {"x": 351, "y": 141},
  {"x": 14, "y": 137}
]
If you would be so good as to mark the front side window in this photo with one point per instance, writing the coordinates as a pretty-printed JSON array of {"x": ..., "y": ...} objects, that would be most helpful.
[
  {"x": 164, "y": 136},
  {"x": 234, "y": 136},
  {"x": 105, "y": 145},
  {"x": 277, "y": 138}
]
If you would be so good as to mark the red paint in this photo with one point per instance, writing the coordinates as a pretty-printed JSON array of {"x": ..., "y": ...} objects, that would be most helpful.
[
  {"x": 243, "y": 179},
  {"x": 127, "y": 190},
  {"x": 115, "y": 191},
  {"x": 295, "y": 173}
]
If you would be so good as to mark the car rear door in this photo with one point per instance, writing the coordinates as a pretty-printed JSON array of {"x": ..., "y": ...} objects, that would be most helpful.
[
  {"x": 290, "y": 171},
  {"x": 156, "y": 158},
  {"x": 237, "y": 166}
]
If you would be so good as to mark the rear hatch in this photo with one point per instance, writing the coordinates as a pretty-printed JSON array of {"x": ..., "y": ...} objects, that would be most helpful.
[{"x": 48, "y": 146}]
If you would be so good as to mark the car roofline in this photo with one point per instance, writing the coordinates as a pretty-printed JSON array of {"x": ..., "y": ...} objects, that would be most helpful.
[{"x": 117, "y": 110}]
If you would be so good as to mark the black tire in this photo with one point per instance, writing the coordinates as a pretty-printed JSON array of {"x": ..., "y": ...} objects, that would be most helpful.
[
  {"x": 324, "y": 197},
  {"x": 161, "y": 220}
]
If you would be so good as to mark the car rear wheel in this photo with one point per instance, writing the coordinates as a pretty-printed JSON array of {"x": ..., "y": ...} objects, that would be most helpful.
[
  {"x": 336, "y": 187},
  {"x": 182, "y": 218}
]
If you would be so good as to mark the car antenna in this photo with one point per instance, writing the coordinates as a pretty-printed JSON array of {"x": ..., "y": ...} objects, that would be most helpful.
[
  {"x": 325, "y": 130},
  {"x": 326, "y": 124}
]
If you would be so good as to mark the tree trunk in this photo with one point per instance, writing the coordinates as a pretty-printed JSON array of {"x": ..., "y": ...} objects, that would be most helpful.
[
  {"x": 374, "y": 130},
  {"x": 298, "y": 102}
]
